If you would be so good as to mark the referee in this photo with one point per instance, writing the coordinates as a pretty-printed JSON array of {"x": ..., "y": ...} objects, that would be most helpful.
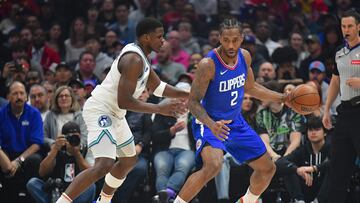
[{"x": 346, "y": 138}]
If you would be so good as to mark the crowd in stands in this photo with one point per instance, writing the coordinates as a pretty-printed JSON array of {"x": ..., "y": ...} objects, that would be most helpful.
[{"x": 53, "y": 53}]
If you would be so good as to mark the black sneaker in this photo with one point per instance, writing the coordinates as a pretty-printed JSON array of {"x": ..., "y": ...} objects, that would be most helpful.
[{"x": 164, "y": 196}]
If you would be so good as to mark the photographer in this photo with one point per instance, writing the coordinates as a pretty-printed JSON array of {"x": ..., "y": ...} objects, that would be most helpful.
[{"x": 64, "y": 161}]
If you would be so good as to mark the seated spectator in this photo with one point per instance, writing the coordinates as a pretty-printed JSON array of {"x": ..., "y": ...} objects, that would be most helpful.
[
  {"x": 21, "y": 136},
  {"x": 279, "y": 126},
  {"x": 64, "y": 108},
  {"x": 55, "y": 40},
  {"x": 306, "y": 168},
  {"x": 178, "y": 54},
  {"x": 65, "y": 160},
  {"x": 102, "y": 61},
  {"x": 187, "y": 41},
  {"x": 32, "y": 77},
  {"x": 139, "y": 124},
  {"x": 173, "y": 153},
  {"x": 42, "y": 56},
  {"x": 87, "y": 66},
  {"x": 79, "y": 91},
  {"x": 123, "y": 27},
  {"x": 286, "y": 72},
  {"x": 75, "y": 44},
  {"x": 63, "y": 74},
  {"x": 317, "y": 72},
  {"x": 39, "y": 99},
  {"x": 266, "y": 73},
  {"x": 169, "y": 70},
  {"x": 257, "y": 58}
]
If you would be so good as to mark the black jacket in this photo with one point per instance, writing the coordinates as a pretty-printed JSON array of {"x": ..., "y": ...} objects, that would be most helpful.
[{"x": 304, "y": 156}]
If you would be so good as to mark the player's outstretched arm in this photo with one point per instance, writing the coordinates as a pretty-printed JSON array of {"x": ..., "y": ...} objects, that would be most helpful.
[
  {"x": 255, "y": 89},
  {"x": 169, "y": 91},
  {"x": 131, "y": 67}
]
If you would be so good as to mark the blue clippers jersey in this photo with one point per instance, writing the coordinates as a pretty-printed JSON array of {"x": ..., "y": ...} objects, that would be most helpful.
[{"x": 225, "y": 93}]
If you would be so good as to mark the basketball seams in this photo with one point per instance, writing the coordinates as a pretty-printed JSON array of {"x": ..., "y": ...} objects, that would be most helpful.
[{"x": 294, "y": 99}]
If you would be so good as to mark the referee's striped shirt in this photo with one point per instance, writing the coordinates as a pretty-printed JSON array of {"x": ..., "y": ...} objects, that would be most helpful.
[{"x": 347, "y": 64}]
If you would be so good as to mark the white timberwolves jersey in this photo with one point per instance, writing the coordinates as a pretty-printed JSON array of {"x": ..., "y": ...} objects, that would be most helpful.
[{"x": 106, "y": 93}]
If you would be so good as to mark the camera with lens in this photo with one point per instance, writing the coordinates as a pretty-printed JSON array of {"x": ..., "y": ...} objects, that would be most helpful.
[
  {"x": 73, "y": 139},
  {"x": 54, "y": 187}
]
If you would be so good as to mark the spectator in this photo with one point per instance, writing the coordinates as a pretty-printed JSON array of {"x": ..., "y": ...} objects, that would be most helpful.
[
  {"x": 145, "y": 9},
  {"x": 64, "y": 108},
  {"x": 110, "y": 41},
  {"x": 32, "y": 77},
  {"x": 87, "y": 66},
  {"x": 124, "y": 28},
  {"x": 214, "y": 37},
  {"x": 75, "y": 44},
  {"x": 173, "y": 152},
  {"x": 315, "y": 51},
  {"x": 55, "y": 40},
  {"x": 296, "y": 41},
  {"x": 106, "y": 14},
  {"x": 178, "y": 55},
  {"x": 26, "y": 37},
  {"x": 263, "y": 33},
  {"x": 278, "y": 126},
  {"x": 257, "y": 59},
  {"x": 169, "y": 70},
  {"x": 65, "y": 160},
  {"x": 50, "y": 89},
  {"x": 21, "y": 136},
  {"x": 42, "y": 57},
  {"x": 102, "y": 61},
  {"x": 63, "y": 74},
  {"x": 139, "y": 124},
  {"x": 266, "y": 72},
  {"x": 317, "y": 73},
  {"x": 79, "y": 91},
  {"x": 195, "y": 59},
  {"x": 93, "y": 26},
  {"x": 39, "y": 99},
  {"x": 306, "y": 169},
  {"x": 187, "y": 42}
]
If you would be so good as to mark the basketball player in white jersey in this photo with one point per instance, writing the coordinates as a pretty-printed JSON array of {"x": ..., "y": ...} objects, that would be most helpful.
[{"x": 104, "y": 112}]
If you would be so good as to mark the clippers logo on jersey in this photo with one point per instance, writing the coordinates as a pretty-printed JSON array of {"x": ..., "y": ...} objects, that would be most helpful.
[
  {"x": 104, "y": 121},
  {"x": 233, "y": 83}
]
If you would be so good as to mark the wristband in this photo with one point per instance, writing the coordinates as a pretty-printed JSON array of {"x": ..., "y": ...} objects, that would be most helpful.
[{"x": 160, "y": 89}]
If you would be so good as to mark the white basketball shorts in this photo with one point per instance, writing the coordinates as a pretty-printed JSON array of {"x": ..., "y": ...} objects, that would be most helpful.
[{"x": 109, "y": 135}]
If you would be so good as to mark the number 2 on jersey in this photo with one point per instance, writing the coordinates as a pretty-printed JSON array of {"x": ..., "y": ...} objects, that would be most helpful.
[{"x": 234, "y": 96}]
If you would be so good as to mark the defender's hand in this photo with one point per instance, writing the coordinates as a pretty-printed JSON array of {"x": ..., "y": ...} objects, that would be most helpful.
[
  {"x": 172, "y": 107},
  {"x": 220, "y": 130},
  {"x": 353, "y": 82}
]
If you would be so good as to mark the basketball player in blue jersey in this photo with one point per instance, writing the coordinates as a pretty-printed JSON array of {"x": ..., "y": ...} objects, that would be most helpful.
[
  {"x": 215, "y": 100},
  {"x": 104, "y": 112}
]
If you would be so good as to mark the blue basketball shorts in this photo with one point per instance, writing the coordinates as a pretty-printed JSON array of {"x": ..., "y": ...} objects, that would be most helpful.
[{"x": 243, "y": 143}]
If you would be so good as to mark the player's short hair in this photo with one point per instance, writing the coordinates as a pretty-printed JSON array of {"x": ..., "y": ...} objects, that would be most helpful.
[
  {"x": 230, "y": 24},
  {"x": 147, "y": 26},
  {"x": 352, "y": 13}
]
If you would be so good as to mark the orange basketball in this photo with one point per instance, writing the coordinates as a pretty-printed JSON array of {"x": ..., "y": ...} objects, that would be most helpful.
[{"x": 305, "y": 99}]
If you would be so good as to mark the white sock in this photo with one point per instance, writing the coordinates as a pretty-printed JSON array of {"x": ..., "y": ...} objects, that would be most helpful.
[
  {"x": 64, "y": 199},
  {"x": 179, "y": 200},
  {"x": 249, "y": 197},
  {"x": 104, "y": 198}
]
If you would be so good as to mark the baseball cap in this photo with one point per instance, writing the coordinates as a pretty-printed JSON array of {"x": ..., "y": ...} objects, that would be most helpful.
[
  {"x": 317, "y": 65},
  {"x": 312, "y": 38},
  {"x": 249, "y": 39},
  {"x": 70, "y": 127}
]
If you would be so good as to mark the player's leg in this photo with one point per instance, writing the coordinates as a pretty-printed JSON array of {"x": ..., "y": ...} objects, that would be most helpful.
[
  {"x": 264, "y": 170},
  {"x": 86, "y": 178},
  {"x": 127, "y": 159},
  {"x": 212, "y": 162}
]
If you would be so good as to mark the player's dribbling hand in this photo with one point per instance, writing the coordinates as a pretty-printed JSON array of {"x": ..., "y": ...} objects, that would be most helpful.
[
  {"x": 172, "y": 107},
  {"x": 220, "y": 130},
  {"x": 327, "y": 120},
  {"x": 287, "y": 99}
]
